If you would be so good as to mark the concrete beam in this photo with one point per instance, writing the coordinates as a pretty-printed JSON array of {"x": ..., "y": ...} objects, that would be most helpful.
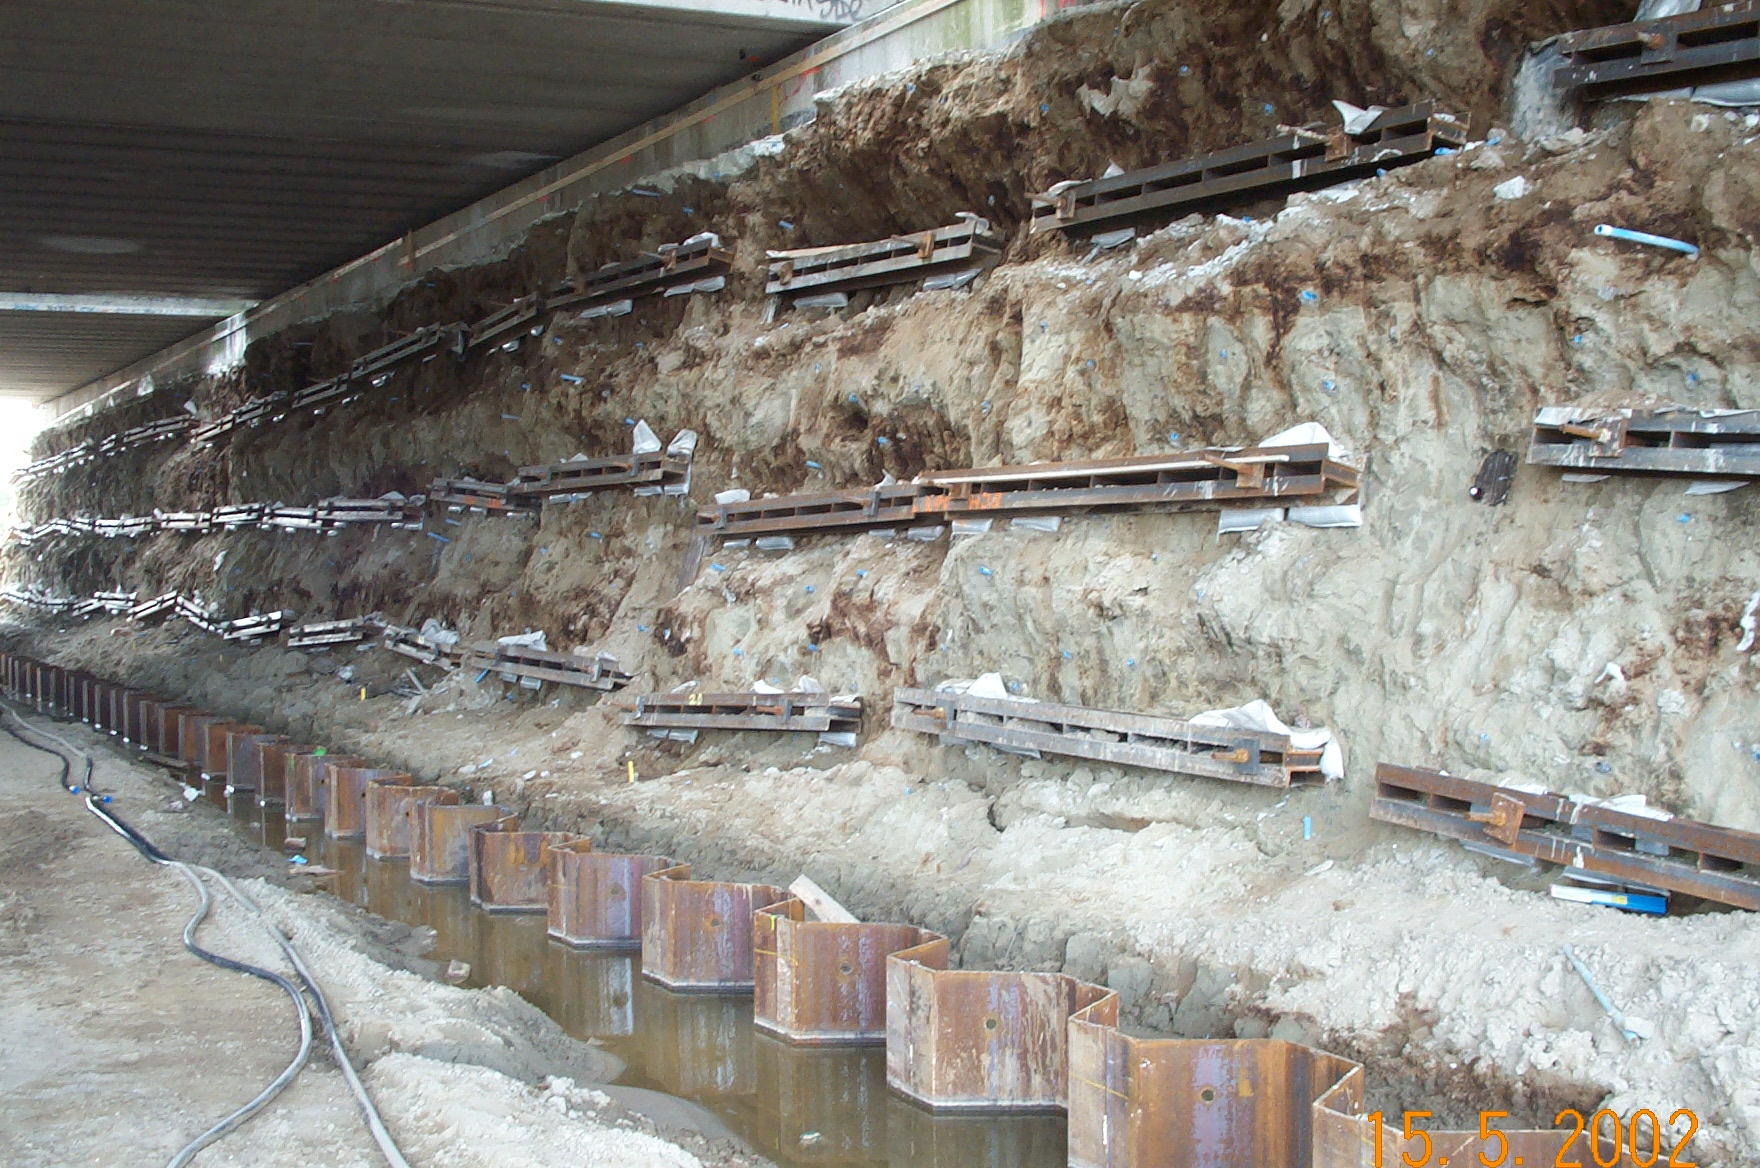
[
  {"x": 206, "y": 308},
  {"x": 769, "y": 101}
]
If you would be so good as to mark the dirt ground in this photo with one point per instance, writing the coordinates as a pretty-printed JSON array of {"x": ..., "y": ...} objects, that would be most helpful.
[
  {"x": 120, "y": 1045},
  {"x": 1583, "y": 636}
]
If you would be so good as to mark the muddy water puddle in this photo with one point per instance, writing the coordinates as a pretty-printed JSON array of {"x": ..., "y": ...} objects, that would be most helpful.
[{"x": 800, "y": 1106}]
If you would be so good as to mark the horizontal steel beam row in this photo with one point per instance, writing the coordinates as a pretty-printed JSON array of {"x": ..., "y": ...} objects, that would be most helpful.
[
  {"x": 204, "y": 616},
  {"x": 1683, "y": 855},
  {"x": 1152, "y": 741},
  {"x": 815, "y": 713},
  {"x": 327, "y": 515},
  {"x": 1707, "y": 443},
  {"x": 968, "y": 243},
  {"x": 956, "y": 1040},
  {"x": 684, "y": 265},
  {"x": 1720, "y": 42},
  {"x": 1299, "y": 159},
  {"x": 1190, "y": 480},
  {"x": 657, "y": 472}
]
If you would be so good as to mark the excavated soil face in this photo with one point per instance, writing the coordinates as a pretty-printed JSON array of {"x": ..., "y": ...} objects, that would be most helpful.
[{"x": 1419, "y": 316}]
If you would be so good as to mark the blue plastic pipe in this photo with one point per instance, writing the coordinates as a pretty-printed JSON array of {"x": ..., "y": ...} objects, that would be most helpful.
[{"x": 1612, "y": 232}]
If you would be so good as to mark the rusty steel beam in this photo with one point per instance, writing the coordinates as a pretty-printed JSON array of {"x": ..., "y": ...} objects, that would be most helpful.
[
  {"x": 863, "y": 509},
  {"x": 1711, "y": 443},
  {"x": 332, "y": 632},
  {"x": 697, "y": 934},
  {"x": 786, "y": 712},
  {"x": 509, "y": 868},
  {"x": 895, "y": 260},
  {"x": 1298, "y": 159},
  {"x": 596, "y": 897},
  {"x": 489, "y": 498},
  {"x": 1200, "y": 480},
  {"x": 823, "y": 983},
  {"x": 1700, "y": 859},
  {"x": 1152, "y": 741},
  {"x": 516, "y": 662},
  {"x": 1720, "y": 42},
  {"x": 978, "y": 1041},
  {"x": 440, "y": 840},
  {"x": 584, "y": 476},
  {"x": 390, "y": 809},
  {"x": 345, "y": 797},
  {"x": 700, "y": 257}
]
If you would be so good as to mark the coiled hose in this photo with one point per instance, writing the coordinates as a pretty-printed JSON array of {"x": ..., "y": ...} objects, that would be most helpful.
[{"x": 98, "y": 806}]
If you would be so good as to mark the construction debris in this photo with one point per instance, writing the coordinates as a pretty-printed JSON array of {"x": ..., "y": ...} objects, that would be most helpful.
[
  {"x": 1299, "y": 159},
  {"x": 1621, "y": 839},
  {"x": 1723, "y": 444}
]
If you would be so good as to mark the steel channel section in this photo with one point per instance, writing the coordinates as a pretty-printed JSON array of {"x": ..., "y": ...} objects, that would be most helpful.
[
  {"x": 1699, "y": 859},
  {"x": 274, "y": 760},
  {"x": 345, "y": 797},
  {"x": 170, "y": 735},
  {"x": 244, "y": 767},
  {"x": 1309, "y": 158},
  {"x": 1718, "y": 43},
  {"x": 697, "y": 934},
  {"x": 790, "y": 712},
  {"x": 886, "y": 261},
  {"x": 1178, "y": 1103},
  {"x": 510, "y": 868},
  {"x": 596, "y": 897},
  {"x": 390, "y": 807},
  {"x": 1716, "y": 443},
  {"x": 134, "y": 723},
  {"x": 1200, "y": 480},
  {"x": 823, "y": 983},
  {"x": 192, "y": 737},
  {"x": 1142, "y": 740},
  {"x": 440, "y": 840},
  {"x": 305, "y": 783},
  {"x": 979, "y": 1041}
]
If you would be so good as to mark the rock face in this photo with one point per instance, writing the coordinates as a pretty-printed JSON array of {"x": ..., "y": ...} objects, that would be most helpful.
[{"x": 1583, "y": 636}]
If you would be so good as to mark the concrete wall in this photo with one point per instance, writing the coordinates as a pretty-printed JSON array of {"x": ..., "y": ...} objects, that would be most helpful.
[{"x": 771, "y": 100}]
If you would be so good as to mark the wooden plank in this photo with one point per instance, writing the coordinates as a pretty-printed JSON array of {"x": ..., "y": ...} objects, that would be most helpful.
[{"x": 821, "y": 903}]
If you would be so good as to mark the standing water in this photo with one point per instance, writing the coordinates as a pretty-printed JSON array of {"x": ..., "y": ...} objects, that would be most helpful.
[{"x": 800, "y": 1106}]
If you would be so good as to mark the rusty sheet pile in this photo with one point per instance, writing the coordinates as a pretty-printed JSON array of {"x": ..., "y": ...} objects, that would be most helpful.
[
  {"x": 1300, "y": 158},
  {"x": 1718, "y": 43},
  {"x": 960, "y": 1040},
  {"x": 1713, "y": 444},
  {"x": 697, "y": 934}
]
